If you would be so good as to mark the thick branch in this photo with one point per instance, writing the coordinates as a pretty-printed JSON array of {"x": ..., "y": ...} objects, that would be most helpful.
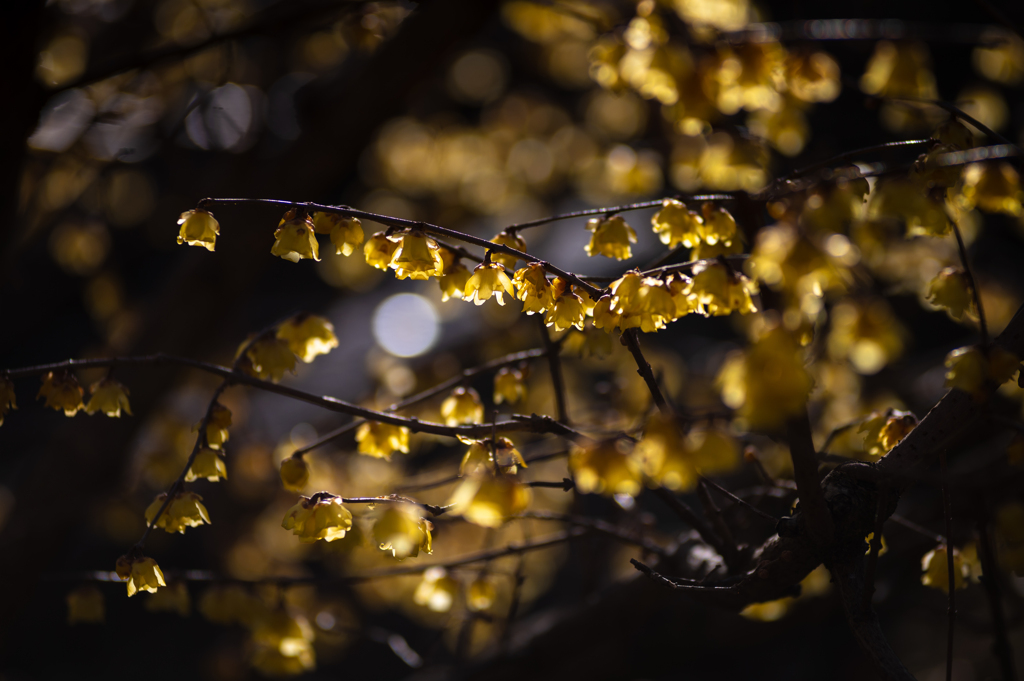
[{"x": 816, "y": 513}]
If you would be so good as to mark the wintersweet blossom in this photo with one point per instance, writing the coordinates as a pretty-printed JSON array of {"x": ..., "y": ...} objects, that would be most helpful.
[
  {"x": 185, "y": 510},
  {"x": 381, "y": 439},
  {"x": 308, "y": 336},
  {"x": 141, "y": 573},
  {"x": 208, "y": 465},
  {"x": 402, "y": 530},
  {"x": 322, "y": 516},
  {"x": 198, "y": 228},
  {"x": 379, "y": 249},
  {"x": 675, "y": 224},
  {"x": 109, "y": 397},
  {"x": 488, "y": 279},
  {"x": 346, "y": 233},
  {"x": 62, "y": 392},
  {"x": 295, "y": 238},
  {"x": 611, "y": 238},
  {"x": 294, "y": 473},
  {"x": 417, "y": 257},
  {"x": 463, "y": 405}
]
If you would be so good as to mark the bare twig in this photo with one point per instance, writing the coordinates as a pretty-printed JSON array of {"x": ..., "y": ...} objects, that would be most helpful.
[
  {"x": 612, "y": 210},
  {"x": 808, "y": 485},
  {"x": 947, "y": 514},
  {"x": 630, "y": 340},
  {"x": 555, "y": 368},
  {"x": 599, "y": 526},
  {"x": 971, "y": 281},
  {"x": 742, "y": 502},
  {"x": 990, "y": 580}
]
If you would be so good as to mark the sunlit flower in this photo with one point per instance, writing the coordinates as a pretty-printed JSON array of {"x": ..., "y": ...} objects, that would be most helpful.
[
  {"x": 207, "y": 464},
  {"x": 294, "y": 473},
  {"x": 308, "y": 336},
  {"x": 462, "y": 406},
  {"x": 321, "y": 516},
  {"x": 417, "y": 257},
  {"x": 269, "y": 358},
  {"x": 381, "y": 439},
  {"x": 509, "y": 386},
  {"x": 812, "y": 76},
  {"x": 884, "y": 430},
  {"x": 718, "y": 226},
  {"x": 567, "y": 309},
  {"x": 85, "y": 605},
  {"x": 489, "y": 500},
  {"x": 993, "y": 187},
  {"x": 488, "y": 279},
  {"x": 216, "y": 426},
  {"x": 950, "y": 290},
  {"x": 605, "y": 316},
  {"x": 295, "y": 238},
  {"x": 108, "y": 396},
  {"x": 675, "y": 224},
  {"x": 611, "y": 238},
  {"x": 379, "y": 249},
  {"x": 185, "y": 510},
  {"x": 62, "y": 392},
  {"x": 532, "y": 287},
  {"x": 346, "y": 233},
  {"x": 604, "y": 469},
  {"x": 453, "y": 281},
  {"x": 512, "y": 241},
  {"x": 402, "y": 530},
  {"x": 436, "y": 591},
  {"x": 198, "y": 228},
  {"x": 7, "y": 401},
  {"x": 142, "y": 574},
  {"x": 935, "y": 570},
  {"x": 721, "y": 291},
  {"x": 481, "y": 456}
]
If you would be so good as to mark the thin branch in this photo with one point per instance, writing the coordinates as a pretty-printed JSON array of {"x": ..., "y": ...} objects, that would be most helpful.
[
  {"x": 947, "y": 514},
  {"x": 735, "y": 261},
  {"x": 691, "y": 518},
  {"x": 630, "y": 340},
  {"x": 418, "y": 487},
  {"x": 397, "y": 499},
  {"x": 599, "y": 526},
  {"x": 566, "y": 485},
  {"x": 555, "y": 368},
  {"x": 465, "y": 375},
  {"x": 612, "y": 210},
  {"x": 990, "y": 580},
  {"x": 808, "y": 485},
  {"x": 914, "y": 527},
  {"x": 676, "y": 583},
  {"x": 846, "y": 156},
  {"x": 742, "y": 502},
  {"x": 733, "y": 557},
  {"x": 971, "y": 281}
]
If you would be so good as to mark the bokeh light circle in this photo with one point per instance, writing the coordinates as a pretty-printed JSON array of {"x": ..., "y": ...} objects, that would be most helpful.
[{"x": 406, "y": 325}]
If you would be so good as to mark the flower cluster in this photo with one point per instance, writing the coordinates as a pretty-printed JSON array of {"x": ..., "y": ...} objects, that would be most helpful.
[
  {"x": 673, "y": 460},
  {"x": 606, "y": 468},
  {"x": 304, "y": 337},
  {"x": 321, "y": 516}
]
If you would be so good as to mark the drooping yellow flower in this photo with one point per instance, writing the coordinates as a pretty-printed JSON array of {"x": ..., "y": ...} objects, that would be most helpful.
[
  {"x": 485, "y": 455},
  {"x": 721, "y": 291},
  {"x": 207, "y": 464},
  {"x": 462, "y": 406},
  {"x": 767, "y": 382},
  {"x": 969, "y": 368},
  {"x": 605, "y": 316},
  {"x": 675, "y": 224},
  {"x": 308, "y": 336},
  {"x": 295, "y": 238},
  {"x": 7, "y": 401},
  {"x": 509, "y": 386},
  {"x": 481, "y": 595},
  {"x": 453, "y": 281},
  {"x": 269, "y": 358},
  {"x": 282, "y": 645},
  {"x": 216, "y": 426},
  {"x": 883, "y": 430},
  {"x": 908, "y": 201},
  {"x": 185, "y": 510},
  {"x": 718, "y": 226},
  {"x": 611, "y": 238},
  {"x": 512, "y": 241},
  {"x": 85, "y": 605},
  {"x": 62, "y": 392},
  {"x": 108, "y": 396},
  {"x": 867, "y": 333},
  {"x": 935, "y": 570},
  {"x": 437, "y": 591},
  {"x": 417, "y": 257},
  {"x": 949, "y": 290},
  {"x": 403, "y": 531},
  {"x": 321, "y": 516},
  {"x": 532, "y": 288},
  {"x": 993, "y": 187},
  {"x": 605, "y": 469},
  {"x": 567, "y": 309},
  {"x": 812, "y": 76},
  {"x": 294, "y": 473},
  {"x": 488, "y": 279},
  {"x": 174, "y": 598},
  {"x": 346, "y": 233},
  {"x": 379, "y": 249},
  {"x": 381, "y": 439},
  {"x": 198, "y": 228},
  {"x": 680, "y": 287},
  {"x": 141, "y": 573},
  {"x": 489, "y": 500}
]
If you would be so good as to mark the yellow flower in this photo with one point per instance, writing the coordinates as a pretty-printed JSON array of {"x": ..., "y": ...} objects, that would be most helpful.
[
  {"x": 718, "y": 226},
  {"x": 216, "y": 426},
  {"x": 453, "y": 281},
  {"x": 509, "y": 386},
  {"x": 85, "y": 605},
  {"x": 532, "y": 288},
  {"x": 935, "y": 570},
  {"x": 512, "y": 241},
  {"x": 680, "y": 287},
  {"x": 949, "y": 290},
  {"x": 346, "y": 233},
  {"x": 993, "y": 187},
  {"x": 605, "y": 316},
  {"x": 481, "y": 595},
  {"x": 207, "y": 464},
  {"x": 481, "y": 456},
  {"x": 812, "y": 76},
  {"x": 198, "y": 228},
  {"x": 308, "y": 336},
  {"x": 567, "y": 310},
  {"x": 968, "y": 370},
  {"x": 714, "y": 451},
  {"x": 7, "y": 401},
  {"x": 321, "y": 516},
  {"x": 867, "y": 333},
  {"x": 908, "y": 200},
  {"x": 282, "y": 645},
  {"x": 269, "y": 358},
  {"x": 185, "y": 510},
  {"x": 462, "y": 406},
  {"x": 62, "y": 392},
  {"x": 437, "y": 591},
  {"x": 294, "y": 473},
  {"x": 403, "y": 531},
  {"x": 174, "y": 598},
  {"x": 664, "y": 455},
  {"x": 295, "y": 239},
  {"x": 899, "y": 70},
  {"x": 885, "y": 430},
  {"x": 488, "y": 279},
  {"x": 381, "y": 439},
  {"x": 611, "y": 238},
  {"x": 592, "y": 342},
  {"x": 142, "y": 574},
  {"x": 675, "y": 224},
  {"x": 721, "y": 291},
  {"x": 489, "y": 500},
  {"x": 417, "y": 257},
  {"x": 604, "y": 469},
  {"x": 379, "y": 250},
  {"x": 108, "y": 396}
]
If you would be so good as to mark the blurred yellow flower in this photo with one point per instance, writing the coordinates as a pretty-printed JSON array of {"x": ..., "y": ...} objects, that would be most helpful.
[
  {"x": 85, "y": 605},
  {"x": 664, "y": 455},
  {"x": 463, "y": 405},
  {"x": 295, "y": 238},
  {"x": 949, "y": 290},
  {"x": 185, "y": 510},
  {"x": 935, "y": 570},
  {"x": 509, "y": 386},
  {"x": 489, "y": 500},
  {"x": 437, "y": 591},
  {"x": 308, "y": 336},
  {"x": 812, "y": 76},
  {"x": 108, "y": 396},
  {"x": 453, "y": 281},
  {"x": 605, "y": 469},
  {"x": 611, "y": 238},
  {"x": 62, "y": 392},
  {"x": 381, "y": 439},
  {"x": 207, "y": 464},
  {"x": 198, "y": 228},
  {"x": 567, "y": 309},
  {"x": 867, "y": 333},
  {"x": 1001, "y": 61},
  {"x": 322, "y": 516},
  {"x": 282, "y": 645},
  {"x": 294, "y": 473},
  {"x": 970, "y": 368},
  {"x": 899, "y": 70},
  {"x": 269, "y": 358},
  {"x": 993, "y": 187},
  {"x": 216, "y": 426},
  {"x": 174, "y": 598},
  {"x": 487, "y": 280},
  {"x": 481, "y": 595},
  {"x": 402, "y": 530}
]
